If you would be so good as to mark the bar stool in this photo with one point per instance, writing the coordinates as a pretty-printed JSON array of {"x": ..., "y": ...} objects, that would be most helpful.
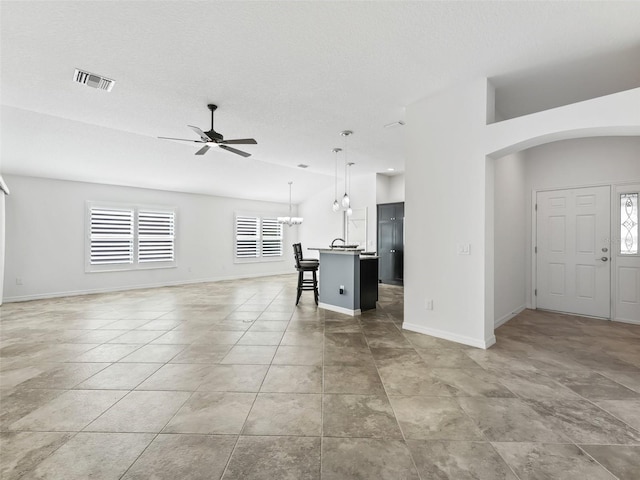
[{"x": 302, "y": 266}]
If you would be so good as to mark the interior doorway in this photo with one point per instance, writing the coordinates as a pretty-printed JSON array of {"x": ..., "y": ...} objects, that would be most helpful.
[{"x": 573, "y": 251}]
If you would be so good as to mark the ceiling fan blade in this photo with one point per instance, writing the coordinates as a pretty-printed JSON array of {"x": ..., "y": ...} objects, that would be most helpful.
[
  {"x": 200, "y": 133},
  {"x": 240, "y": 141},
  {"x": 181, "y": 140},
  {"x": 203, "y": 150},
  {"x": 235, "y": 150}
]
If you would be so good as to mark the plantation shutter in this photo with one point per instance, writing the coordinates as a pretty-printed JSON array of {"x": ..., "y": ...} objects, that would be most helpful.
[
  {"x": 111, "y": 236},
  {"x": 247, "y": 237},
  {"x": 156, "y": 236},
  {"x": 271, "y": 237}
]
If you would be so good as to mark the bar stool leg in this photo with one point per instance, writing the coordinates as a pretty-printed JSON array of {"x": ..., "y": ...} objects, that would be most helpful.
[
  {"x": 315, "y": 287},
  {"x": 300, "y": 281}
]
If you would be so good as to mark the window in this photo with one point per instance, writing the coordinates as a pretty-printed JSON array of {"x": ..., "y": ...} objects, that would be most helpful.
[
  {"x": 111, "y": 236},
  {"x": 271, "y": 237},
  {"x": 155, "y": 236},
  {"x": 247, "y": 237},
  {"x": 258, "y": 238},
  {"x": 128, "y": 237},
  {"x": 629, "y": 224}
]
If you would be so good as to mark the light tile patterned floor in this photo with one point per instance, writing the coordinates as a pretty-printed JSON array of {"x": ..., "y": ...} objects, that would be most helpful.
[{"x": 230, "y": 380}]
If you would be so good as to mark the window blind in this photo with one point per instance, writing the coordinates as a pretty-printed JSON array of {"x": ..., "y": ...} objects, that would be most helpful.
[
  {"x": 247, "y": 236},
  {"x": 156, "y": 236},
  {"x": 111, "y": 236},
  {"x": 271, "y": 237}
]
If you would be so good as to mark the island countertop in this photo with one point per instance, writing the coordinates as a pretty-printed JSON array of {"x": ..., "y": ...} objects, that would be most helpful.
[{"x": 344, "y": 251}]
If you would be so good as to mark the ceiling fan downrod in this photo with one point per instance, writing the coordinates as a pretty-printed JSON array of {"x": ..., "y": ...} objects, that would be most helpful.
[{"x": 212, "y": 134}]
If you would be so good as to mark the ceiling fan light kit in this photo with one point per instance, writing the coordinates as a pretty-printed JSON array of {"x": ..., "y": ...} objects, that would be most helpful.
[{"x": 212, "y": 137}]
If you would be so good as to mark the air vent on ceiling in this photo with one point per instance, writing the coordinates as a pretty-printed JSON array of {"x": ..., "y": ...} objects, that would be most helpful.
[
  {"x": 93, "y": 80},
  {"x": 302, "y": 165}
]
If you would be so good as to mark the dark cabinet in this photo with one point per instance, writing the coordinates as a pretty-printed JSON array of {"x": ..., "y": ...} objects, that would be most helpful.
[
  {"x": 368, "y": 282},
  {"x": 391, "y": 242}
]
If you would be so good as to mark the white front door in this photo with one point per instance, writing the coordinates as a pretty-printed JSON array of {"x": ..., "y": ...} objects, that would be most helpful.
[{"x": 573, "y": 272}]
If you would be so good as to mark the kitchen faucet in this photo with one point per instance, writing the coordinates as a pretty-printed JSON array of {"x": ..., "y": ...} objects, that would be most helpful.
[{"x": 335, "y": 240}]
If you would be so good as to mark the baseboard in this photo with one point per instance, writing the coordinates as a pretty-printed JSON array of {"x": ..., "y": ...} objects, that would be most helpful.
[
  {"x": 624, "y": 320},
  {"x": 343, "y": 310},
  {"x": 93, "y": 291},
  {"x": 453, "y": 337},
  {"x": 504, "y": 319}
]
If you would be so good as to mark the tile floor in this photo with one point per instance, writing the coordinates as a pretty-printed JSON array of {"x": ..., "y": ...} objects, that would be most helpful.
[{"x": 230, "y": 380}]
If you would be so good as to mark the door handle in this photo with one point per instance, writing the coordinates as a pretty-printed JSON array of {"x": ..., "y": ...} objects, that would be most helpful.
[{"x": 604, "y": 259}]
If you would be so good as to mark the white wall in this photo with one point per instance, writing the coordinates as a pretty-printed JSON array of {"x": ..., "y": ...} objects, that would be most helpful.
[
  {"x": 45, "y": 238},
  {"x": 389, "y": 188},
  {"x": 450, "y": 197},
  {"x": 396, "y": 188},
  {"x": 612, "y": 115},
  {"x": 321, "y": 224},
  {"x": 577, "y": 163},
  {"x": 445, "y": 206},
  {"x": 2, "y": 241},
  {"x": 382, "y": 188},
  {"x": 510, "y": 224}
]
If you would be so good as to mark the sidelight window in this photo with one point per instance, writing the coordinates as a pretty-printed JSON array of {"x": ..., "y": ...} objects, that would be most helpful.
[{"x": 629, "y": 224}]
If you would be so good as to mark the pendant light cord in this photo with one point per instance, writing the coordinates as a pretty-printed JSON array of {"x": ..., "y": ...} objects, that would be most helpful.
[
  {"x": 345, "y": 174},
  {"x": 336, "y": 176},
  {"x": 345, "y": 163}
]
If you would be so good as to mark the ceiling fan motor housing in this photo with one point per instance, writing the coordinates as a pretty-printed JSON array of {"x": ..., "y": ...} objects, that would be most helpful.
[{"x": 215, "y": 136}]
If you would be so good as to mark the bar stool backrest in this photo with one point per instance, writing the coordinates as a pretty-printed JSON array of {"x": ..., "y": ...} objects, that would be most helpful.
[{"x": 297, "y": 252}]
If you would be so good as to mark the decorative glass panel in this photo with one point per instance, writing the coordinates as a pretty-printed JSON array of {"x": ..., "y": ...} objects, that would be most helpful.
[{"x": 629, "y": 224}]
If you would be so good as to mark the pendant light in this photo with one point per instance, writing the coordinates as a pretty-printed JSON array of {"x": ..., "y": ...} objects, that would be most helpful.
[
  {"x": 290, "y": 220},
  {"x": 346, "y": 201},
  {"x": 349, "y": 209},
  {"x": 336, "y": 205}
]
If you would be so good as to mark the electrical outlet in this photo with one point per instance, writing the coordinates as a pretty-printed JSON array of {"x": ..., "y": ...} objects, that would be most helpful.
[
  {"x": 464, "y": 249},
  {"x": 428, "y": 304},
  {"x": 341, "y": 289}
]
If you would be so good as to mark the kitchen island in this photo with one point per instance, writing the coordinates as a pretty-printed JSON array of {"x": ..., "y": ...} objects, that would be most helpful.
[{"x": 348, "y": 280}]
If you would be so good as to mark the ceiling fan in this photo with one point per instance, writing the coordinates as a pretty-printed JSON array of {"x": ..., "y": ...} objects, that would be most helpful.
[{"x": 215, "y": 138}]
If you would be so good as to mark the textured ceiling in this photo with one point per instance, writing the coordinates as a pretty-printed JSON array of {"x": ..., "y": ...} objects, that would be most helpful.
[{"x": 290, "y": 74}]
